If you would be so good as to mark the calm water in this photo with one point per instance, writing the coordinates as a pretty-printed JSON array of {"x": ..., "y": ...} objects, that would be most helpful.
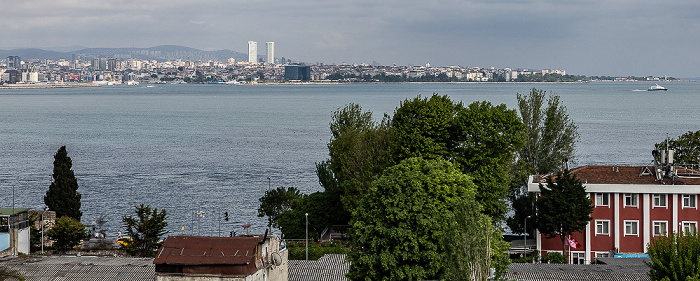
[{"x": 213, "y": 147}]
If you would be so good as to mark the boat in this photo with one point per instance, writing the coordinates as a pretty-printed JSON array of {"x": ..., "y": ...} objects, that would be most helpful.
[{"x": 657, "y": 88}]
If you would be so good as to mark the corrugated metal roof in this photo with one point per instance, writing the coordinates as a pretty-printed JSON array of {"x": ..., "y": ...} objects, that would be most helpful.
[{"x": 198, "y": 250}]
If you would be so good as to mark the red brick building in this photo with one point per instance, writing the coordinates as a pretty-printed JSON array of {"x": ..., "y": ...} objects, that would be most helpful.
[{"x": 632, "y": 204}]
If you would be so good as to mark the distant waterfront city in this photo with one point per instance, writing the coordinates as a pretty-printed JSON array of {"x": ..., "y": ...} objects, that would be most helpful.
[{"x": 134, "y": 66}]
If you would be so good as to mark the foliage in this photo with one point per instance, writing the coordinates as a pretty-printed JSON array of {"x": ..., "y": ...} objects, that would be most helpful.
[
  {"x": 398, "y": 229},
  {"x": 145, "y": 229},
  {"x": 4, "y": 274},
  {"x": 480, "y": 138},
  {"x": 474, "y": 245},
  {"x": 553, "y": 218},
  {"x": 532, "y": 258},
  {"x": 63, "y": 196},
  {"x": 357, "y": 153},
  {"x": 554, "y": 257},
  {"x": 297, "y": 250},
  {"x": 66, "y": 233},
  {"x": 324, "y": 209},
  {"x": 686, "y": 146},
  {"x": 276, "y": 201},
  {"x": 550, "y": 135},
  {"x": 674, "y": 257},
  {"x": 34, "y": 232}
]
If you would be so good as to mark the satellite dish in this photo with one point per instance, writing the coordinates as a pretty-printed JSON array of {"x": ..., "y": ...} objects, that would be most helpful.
[{"x": 276, "y": 258}]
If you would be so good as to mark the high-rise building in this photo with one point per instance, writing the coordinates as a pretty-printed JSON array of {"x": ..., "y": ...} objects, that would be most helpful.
[
  {"x": 13, "y": 62},
  {"x": 270, "y": 52},
  {"x": 252, "y": 51}
]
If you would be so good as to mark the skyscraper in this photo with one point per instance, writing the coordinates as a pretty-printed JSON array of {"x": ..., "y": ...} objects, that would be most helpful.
[
  {"x": 270, "y": 52},
  {"x": 252, "y": 52}
]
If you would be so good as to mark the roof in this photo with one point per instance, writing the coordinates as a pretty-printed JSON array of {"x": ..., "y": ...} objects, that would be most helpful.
[
  {"x": 330, "y": 267},
  {"x": 543, "y": 271},
  {"x": 199, "y": 250},
  {"x": 11, "y": 211},
  {"x": 639, "y": 175},
  {"x": 76, "y": 268}
]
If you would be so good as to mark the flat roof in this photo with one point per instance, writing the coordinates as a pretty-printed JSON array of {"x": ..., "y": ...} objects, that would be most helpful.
[{"x": 9, "y": 211}]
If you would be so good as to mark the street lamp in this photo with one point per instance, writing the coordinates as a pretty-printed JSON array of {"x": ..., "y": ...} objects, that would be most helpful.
[
  {"x": 307, "y": 236},
  {"x": 200, "y": 215},
  {"x": 268, "y": 183},
  {"x": 525, "y": 237},
  {"x": 46, "y": 208}
]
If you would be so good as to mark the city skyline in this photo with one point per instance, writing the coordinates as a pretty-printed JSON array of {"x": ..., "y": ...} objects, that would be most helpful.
[{"x": 592, "y": 37}]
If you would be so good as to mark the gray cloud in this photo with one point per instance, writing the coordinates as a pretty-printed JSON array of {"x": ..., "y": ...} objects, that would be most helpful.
[{"x": 584, "y": 37}]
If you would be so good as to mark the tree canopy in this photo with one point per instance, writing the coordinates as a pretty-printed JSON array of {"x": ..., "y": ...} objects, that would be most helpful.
[
  {"x": 275, "y": 201},
  {"x": 146, "y": 229},
  {"x": 398, "y": 229},
  {"x": 66, "y": 233},
  {"x": 686, "y": 147},
  {"x": 552, "y": 217},
  {"x": 675, "y": 257},
  {"x": 62, "y": 196}
]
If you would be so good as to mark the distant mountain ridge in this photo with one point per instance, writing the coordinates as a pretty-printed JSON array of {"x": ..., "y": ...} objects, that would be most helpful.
[{"x": 159, "y": 53}]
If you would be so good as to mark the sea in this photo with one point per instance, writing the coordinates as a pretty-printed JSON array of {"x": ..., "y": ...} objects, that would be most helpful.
[{"x": 213, "y": 149}]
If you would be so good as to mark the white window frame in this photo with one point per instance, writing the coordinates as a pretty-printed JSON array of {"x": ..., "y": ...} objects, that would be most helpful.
[
  {"x": 602, "y": 255},
  {"x": 658, "y": 196},
  {"x": 689, "y": 225},
  {"x": 634, "y": 226},
  {"x": 602, "y": 199},
  {"x": 581, "y": 256},
  {"x": 607, "y": 226},
  {"x": 691, "y": 202},
  {"x": 656, "y": 225},
  {"x": 634, "y": 197}
]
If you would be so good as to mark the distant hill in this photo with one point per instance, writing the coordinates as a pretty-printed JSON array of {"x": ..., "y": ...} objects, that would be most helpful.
[{"x": 159, "y": 53}]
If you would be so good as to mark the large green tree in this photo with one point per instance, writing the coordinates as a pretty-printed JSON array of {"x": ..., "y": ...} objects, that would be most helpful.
[
  {"x": 550, "y": 135},
  {"x": 275, "y": 201},
  {"x": 324, "y": 210},
  {"x": 563, "y": 207},
  {"x": 398, "y": 230},
  {"x": 675, "y": 257},
  {"x": 686, "y": 147},
  {"x": 550, "y": 138},
  {"x": 62, "y": 196},
  {"x": 480, "y": 138},
  {"x": 66, "y": 233},
  {"x": 146, "y": 229}
]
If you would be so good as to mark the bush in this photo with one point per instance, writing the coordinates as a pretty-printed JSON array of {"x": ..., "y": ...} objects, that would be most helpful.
[
  {"x": 533, "y": 258},
  {"x": 554, "y": 257},
  {"x": 297, "y": 250}
]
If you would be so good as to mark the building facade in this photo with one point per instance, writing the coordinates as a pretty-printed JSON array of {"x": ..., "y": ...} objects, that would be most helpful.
[
  {"x": 632, "y": 205},
  {"x": 270, "y": 52},
  {"x": 14, "y": 231},
  {"x": 252, "y": 52}
]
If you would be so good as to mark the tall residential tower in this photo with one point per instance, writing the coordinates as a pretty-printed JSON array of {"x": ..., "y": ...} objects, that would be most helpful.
[
  {"x": 270, "y": 52},
  {"x": 252, "y": 52}
]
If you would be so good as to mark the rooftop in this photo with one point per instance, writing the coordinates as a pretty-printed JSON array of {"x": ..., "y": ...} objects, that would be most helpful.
[
  {"x": 614, "y": 174},
  {"x": 207, "y": 250}
]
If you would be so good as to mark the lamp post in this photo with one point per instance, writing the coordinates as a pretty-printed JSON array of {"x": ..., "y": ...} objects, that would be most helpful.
[
  {"x": 46, "y": 208},
  {"x": 131, "y": 197},
  {"x": 307, "y": 236},
  {"x": 525, "y": 237},
  {"x": 268, "y": 183}
]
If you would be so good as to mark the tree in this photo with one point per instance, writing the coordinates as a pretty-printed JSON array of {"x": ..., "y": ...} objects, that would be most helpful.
[
  {"x": 686, "y": 146},
  {"x": 66, "y": 233},
  {"x": 481, "y": 138},
  {"x": 398, "y": 229},
  {"x": 674, "y": 257},
  {"x": 145, "y": 229},
  {"x": 324, "y": 209},
  {"x": 62, "y": 196},
  {"x": 550, "y": 135},
  {"x": 553, "y": 217},
  {"x": 276, "y": 201}
]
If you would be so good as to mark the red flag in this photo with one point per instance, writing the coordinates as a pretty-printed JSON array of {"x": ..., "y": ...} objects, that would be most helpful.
[{"x": 573, "y": 243}]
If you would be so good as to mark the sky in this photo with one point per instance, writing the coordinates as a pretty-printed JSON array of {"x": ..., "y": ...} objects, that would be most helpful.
[{"x": 594, "y": 37}]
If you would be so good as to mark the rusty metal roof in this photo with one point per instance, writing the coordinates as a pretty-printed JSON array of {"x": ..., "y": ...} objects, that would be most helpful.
[
  {"x": 615, "y": 174},
  {"x": 198, "y": 250}
]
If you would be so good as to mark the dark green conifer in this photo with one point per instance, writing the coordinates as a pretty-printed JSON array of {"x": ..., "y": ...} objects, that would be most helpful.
[{"x": 62, "y": 196}]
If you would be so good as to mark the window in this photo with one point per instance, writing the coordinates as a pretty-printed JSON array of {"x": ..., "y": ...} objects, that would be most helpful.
[
  {"x": 659, "y": 200},
  {"x": 630, "y": 200},
  {"x": 602, "y": 199},
  {"x": 689, "y": 201},
  {"x": 690, "y": 226},
  {"x": 602, "y": 254},
  {"x": 660, "y": 228},
  {"x": 602, "y": 227},
  {"x": 578, "y": 258},
  {"x": 631, "y": 228}
]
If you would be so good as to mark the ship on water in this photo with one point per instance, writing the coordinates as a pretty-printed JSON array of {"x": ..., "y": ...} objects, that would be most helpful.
[{"x": 657, "y": 88}]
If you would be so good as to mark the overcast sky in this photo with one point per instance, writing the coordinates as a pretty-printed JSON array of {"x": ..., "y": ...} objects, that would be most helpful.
[{"x": 611, "y": 37}]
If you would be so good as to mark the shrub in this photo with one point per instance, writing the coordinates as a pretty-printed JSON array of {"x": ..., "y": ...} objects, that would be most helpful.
[{"x": 554, "y": 257}]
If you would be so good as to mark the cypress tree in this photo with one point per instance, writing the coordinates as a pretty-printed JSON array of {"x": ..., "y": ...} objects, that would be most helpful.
[{"x": 62, "y": 196}]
